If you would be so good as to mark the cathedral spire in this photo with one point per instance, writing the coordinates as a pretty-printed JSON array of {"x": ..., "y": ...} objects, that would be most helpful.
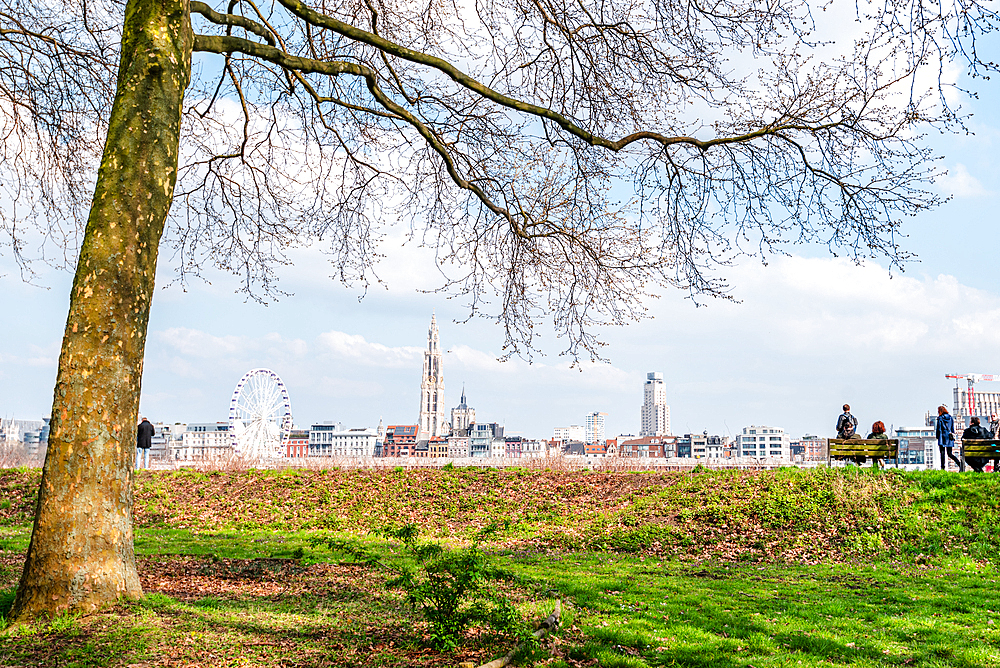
[
  {"x": 432, "y": 421},
  {"x": 433, "y": 341}
]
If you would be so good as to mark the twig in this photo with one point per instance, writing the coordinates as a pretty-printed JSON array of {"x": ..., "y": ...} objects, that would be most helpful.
[{"x": 550, "y": 623}]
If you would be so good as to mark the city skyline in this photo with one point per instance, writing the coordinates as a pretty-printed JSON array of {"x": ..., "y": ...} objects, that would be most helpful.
[
  {"x": 808, "y": 333},
  {"x": 613, "y": 390}
]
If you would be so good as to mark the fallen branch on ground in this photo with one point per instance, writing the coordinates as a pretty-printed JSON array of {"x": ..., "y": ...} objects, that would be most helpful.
[{"x": 550, "y": 623}]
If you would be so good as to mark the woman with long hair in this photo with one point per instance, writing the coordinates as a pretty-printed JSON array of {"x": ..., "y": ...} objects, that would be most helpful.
[{"x": 945, "y": 431}]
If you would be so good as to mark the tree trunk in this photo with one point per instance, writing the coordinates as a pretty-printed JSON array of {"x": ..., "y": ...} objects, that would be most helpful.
[{"x": 82, "y": 554}]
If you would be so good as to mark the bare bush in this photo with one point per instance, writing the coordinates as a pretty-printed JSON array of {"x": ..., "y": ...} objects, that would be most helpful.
[{"x": 15, "y": 454}]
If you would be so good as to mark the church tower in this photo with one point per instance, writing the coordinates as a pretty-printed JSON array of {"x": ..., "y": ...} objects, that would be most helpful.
[
  {"x": 462, "y": 416},
  {"x": 432, "y": 420}
]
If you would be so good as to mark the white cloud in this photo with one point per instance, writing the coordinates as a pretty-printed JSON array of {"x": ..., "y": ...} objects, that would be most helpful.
[
  {"x": 589, "y": 375},
  {"x": 960, "y": 183},
  {"x": 481, "y": 361},
  {"x": 356, "y": 349},
  {"x": 345, "y": 388},
  {"x": 195, "y": 343},
  {"x": 798, "y": 305}
]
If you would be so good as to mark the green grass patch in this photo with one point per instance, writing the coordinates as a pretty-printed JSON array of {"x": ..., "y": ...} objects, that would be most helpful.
[
  {"x": 644, "y": 612},
  {"x": 229, "y": 543}
]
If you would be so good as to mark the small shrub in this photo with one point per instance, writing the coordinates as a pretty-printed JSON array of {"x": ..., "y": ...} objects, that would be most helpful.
[{"x": 451, "y": 588}]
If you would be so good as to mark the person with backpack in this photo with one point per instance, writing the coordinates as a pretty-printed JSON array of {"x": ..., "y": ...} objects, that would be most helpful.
[
  {"x": 945, "y": 431},
  {"x": 976, "y": 430},
  {"x": 847, "y": 424}
]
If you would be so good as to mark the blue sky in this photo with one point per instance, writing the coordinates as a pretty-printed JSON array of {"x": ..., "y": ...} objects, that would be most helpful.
[{"x": 810, "y": 333}]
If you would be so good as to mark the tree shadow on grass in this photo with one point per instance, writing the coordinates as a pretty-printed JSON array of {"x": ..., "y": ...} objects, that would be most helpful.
[{"x": 239, "y": 613}]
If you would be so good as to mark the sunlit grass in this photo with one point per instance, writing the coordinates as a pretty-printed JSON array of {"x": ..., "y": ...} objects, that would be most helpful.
[{"x": 643, "y": 613}]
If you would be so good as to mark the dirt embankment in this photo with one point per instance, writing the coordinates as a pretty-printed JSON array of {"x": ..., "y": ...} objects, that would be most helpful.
[{"x": 786, "y": 515}]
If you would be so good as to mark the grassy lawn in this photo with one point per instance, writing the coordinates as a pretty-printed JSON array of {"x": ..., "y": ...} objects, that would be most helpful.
[
  {"x": 698, "y": 570},
  {"x": 634, "y": 612}
]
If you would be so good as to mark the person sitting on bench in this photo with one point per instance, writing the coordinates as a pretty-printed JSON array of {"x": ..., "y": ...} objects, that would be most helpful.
[
  {"x": 878, "y": 431},
  {"x": 847, "y": 426},
  {"x": 976, "y": 430}
]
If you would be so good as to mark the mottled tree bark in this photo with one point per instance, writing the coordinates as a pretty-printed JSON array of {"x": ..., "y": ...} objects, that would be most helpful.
[{"x": 81, "y": 553}]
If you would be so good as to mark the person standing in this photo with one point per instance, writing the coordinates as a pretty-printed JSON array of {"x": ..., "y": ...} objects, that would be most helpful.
[
  {"x": 994, "y": 430},
  {"x": 144, "y": 441},
  {"x": 945, "y": 431},
  {"x": 847, "y": 424}
]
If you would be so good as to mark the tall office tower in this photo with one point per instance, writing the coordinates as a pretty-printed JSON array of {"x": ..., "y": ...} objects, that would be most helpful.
[
  {"x": 655, "y": 412},
  {"x": 432, "y": 422},
  {"x": 462, "y": 416},
  {"x": 595, "y": 427}
]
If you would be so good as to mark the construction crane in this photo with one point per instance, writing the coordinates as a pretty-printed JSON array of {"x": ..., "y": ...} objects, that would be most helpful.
[{"x": 972, "y": 379}]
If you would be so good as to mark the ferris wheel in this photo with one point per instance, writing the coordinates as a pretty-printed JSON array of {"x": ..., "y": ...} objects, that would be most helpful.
[{"x": 260, "y": 415}]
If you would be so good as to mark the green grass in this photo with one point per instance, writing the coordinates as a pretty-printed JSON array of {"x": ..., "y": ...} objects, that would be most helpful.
[
  {"x": 706, "y": 570},
  {"x": 228, "y": 544},
  {"x": 634, "y": 612}
]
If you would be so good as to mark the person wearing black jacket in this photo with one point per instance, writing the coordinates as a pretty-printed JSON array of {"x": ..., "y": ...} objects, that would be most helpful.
[
  {"x": 976, "y": 430},
  {"x": 144, "y": 441}
]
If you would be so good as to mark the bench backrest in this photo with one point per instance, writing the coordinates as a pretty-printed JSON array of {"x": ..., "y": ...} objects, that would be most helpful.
[
  {"x": 981, "y": 447},
  {"x": 867, "y": 447}
]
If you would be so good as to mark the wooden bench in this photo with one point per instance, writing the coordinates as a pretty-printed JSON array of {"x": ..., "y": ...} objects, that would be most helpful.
[
  {"x": 980, "y": 447},
  {"x": 876, "y": 448}
]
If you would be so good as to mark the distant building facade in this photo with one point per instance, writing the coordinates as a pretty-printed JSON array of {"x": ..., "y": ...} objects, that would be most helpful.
[
  {"x": 352, "y": 443},
  {"x": 297, "y": 444},
  {"x": 702, "y": 446},
  {"x": 486, "y": 440},
  {"x": 534, "y": 449},
  {"x": 649, "y": 446},
  {"x": 168, "y": 441},
  {"x": 321, "y": 438},
  {"x": 400, "y": 440},
  {"x": 206, "y": 440},
  {"x": 918, "y": 446},
  {"x": 763, "y": 442},
  {"x": 594, "y": 428},
  {"x": 437, "y": 448},
  {"x": 458, "y": 446},
  {"x": 655, "y": 412},
  {"x": 432, "y": 419},
  {"x": 809, "y": 448},
  {"x": 576, "y": 432}
]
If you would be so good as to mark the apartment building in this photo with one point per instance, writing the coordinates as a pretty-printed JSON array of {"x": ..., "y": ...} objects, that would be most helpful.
[
  {"x": 763, "y": 442},
  {"x": 649, "y": 446}
]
